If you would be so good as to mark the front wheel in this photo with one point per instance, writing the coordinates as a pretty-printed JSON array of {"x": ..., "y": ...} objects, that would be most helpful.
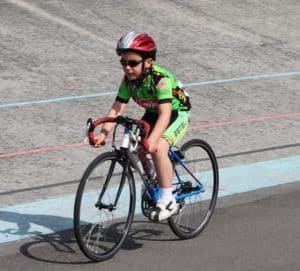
[
  {"x": 196, "y": 208},
  {"x": 104, "y": 207}
]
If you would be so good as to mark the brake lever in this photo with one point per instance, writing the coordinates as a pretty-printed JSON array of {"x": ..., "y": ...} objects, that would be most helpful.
[{"x": 88, "y": 129}]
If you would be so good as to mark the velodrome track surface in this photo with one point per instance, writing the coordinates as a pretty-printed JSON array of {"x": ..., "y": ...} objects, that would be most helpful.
[{"x": 240, "y": 61}]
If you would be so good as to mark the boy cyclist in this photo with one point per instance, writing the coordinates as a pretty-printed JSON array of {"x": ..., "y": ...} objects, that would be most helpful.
[{"x": 167, "y": 109}]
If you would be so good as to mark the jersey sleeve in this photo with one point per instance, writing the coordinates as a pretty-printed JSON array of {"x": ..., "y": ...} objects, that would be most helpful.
[
  {"x": 164, "y": 90},
  {"x": 124, "y": 94}
]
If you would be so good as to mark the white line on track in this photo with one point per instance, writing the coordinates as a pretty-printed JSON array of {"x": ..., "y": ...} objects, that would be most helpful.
[{"x": 58, "y": 20}]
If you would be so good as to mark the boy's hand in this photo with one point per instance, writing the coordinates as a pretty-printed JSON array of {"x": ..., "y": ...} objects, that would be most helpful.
[{"x": 99, "y": 140}]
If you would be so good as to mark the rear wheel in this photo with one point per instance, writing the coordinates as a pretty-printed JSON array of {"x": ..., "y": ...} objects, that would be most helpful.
[
  {"x": 101, "y": 222},
  {"x": 198, "y": 206}
]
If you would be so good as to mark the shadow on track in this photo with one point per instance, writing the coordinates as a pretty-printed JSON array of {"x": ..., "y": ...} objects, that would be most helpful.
[{"x": 61, "y": 247}]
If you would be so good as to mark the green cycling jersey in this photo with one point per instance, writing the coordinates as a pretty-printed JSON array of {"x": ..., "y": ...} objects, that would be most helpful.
[{"x": 160, "y": 86}]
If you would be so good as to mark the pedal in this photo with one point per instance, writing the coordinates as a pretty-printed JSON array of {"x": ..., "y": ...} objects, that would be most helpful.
[{"x": 147, "y": 204}]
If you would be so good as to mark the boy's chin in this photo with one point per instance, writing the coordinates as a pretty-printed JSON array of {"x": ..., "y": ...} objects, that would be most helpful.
[{"x": 131, "y": 78}]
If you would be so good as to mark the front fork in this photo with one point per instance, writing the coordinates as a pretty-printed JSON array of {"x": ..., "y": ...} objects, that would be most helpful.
[{"x": 125, "y": 162}]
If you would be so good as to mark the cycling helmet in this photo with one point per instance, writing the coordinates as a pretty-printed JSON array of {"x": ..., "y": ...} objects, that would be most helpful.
[{"x": 138, "y": 42}]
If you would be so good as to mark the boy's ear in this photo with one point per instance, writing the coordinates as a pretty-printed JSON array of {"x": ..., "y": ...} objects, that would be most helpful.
[{"x": 148, "y": 62}]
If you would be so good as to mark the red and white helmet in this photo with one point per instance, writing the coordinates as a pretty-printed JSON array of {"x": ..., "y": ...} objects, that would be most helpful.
[{"x": 139, "y": 42}]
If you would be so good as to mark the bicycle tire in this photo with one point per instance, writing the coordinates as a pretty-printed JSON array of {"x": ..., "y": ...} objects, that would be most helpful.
[
  {"x": 188, "y": 224},
  {"x": 101, "y": 236}
]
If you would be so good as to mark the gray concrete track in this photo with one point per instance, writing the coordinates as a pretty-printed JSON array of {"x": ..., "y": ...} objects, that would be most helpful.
[
  {"x": 53, "y": 49},
  {"x": 252, "y": 231}
]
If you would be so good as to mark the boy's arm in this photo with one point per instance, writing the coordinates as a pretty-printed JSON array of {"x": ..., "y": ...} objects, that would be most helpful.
[{"x": 117, "y": 109}]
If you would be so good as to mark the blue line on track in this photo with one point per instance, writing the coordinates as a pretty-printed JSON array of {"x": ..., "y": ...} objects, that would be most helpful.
[
  {"x": 201, "y": 83},
  {"x": 56, "y": 100},
  {"x": 235, "y": 79},
  {"x": 52, "y": 215}
]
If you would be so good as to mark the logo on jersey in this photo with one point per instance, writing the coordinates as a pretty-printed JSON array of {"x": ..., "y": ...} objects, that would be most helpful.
[
  {"x": 162, "y": 84},
  {"x": 146, "y": 103},
  {"x": 180, "y": 128},
  {"x": 182, "y": 96}
]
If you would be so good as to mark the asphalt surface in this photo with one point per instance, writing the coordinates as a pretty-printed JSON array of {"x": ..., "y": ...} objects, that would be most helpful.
[
  {"x": 251, "y": 231},
  {"x": 55, "y": 49}
]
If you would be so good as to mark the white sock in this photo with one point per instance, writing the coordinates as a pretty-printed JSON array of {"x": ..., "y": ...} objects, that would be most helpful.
[{"x": 166, "y": 194}]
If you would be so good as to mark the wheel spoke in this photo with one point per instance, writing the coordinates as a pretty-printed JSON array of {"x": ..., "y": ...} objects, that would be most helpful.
[
  {"x": 198, "y": 206},
  {"x": 99, "y": 230}
]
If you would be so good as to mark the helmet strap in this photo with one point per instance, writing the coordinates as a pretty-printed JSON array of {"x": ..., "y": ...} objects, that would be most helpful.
[{"x": 142, "y": 76}]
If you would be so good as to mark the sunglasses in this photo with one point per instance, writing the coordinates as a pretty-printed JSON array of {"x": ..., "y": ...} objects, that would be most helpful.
[{"x": 130, "y": 63}]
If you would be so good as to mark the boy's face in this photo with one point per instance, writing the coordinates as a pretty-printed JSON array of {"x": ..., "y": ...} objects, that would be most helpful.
[{"x": 133, "y": 64}]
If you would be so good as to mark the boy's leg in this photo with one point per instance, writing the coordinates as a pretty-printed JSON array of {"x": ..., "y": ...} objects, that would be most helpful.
[
  {"x": 163, "y": 165},
  {"x": 166, "y": 206}
]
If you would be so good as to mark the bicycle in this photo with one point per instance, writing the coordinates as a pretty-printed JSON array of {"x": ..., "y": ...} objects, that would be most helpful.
[{"x": 106, "y": 196}]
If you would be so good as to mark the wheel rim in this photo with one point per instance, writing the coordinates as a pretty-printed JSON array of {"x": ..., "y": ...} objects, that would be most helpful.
[
  {"x": 101, "y": 231},
  {"x": 196, "y": 210}
]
